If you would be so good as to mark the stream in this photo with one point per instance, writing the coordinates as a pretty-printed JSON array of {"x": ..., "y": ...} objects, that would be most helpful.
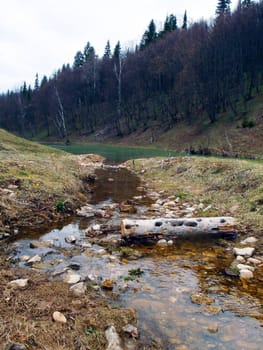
[{"x": 182, "y": 296}]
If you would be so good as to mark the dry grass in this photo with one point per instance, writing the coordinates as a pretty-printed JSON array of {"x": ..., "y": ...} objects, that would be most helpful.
[
  {"x": 232, "y": 187},
  {"x": 26, "y": 314}
]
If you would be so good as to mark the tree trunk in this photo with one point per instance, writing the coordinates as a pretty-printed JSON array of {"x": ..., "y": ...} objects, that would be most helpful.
[{"x": 155, "y": 229}]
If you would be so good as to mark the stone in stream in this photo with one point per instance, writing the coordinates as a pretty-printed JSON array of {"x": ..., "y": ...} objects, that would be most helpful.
[
  {"x": 74, "y": 266},
  {"x": 72, "y": 278},
  {"x": 59, "y": 317},
  {"x": 19, "y": 283},
  {"x": 41, "y": 244},
  {"x": 71, "y": 239},
  {"x": 131, "y": 330},
  {"x": 245, "y": 267},
  {"x": 108, "y": 284},
  {"x": 34, "y": 259},
  {"x": 247, "y": 252},
  {"x": 254, "y": 261}
]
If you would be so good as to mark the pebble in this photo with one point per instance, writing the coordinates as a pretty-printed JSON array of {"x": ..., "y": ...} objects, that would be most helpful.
[
  {"x": 240, "y": 259},
  {"x": 249, "y": 240},
  {"x": 131, "y": 330},
  {"x": 247, "y": 252},
  {"x": 78, "y": 289},
  {"x": 108, "y": 284},
  {"x": 72, "y": 278},
  {"x": 19, "y": 283},
  {"x": 41, "y": 244},
  {"x": 24, "y": 258},
  {"x": 245, "y": 267},
  {"x": 34, "y": 259},
  {"x": 15, "y": 346},
  {"x": 213, "y": 328},
  {"x": 246, "y": 274},
  {"x": 70, "y": 239},
  {"x": 254, "y": 261},
  {"x": 59, "y": 317},
  {"x": 162, "y": 242}
]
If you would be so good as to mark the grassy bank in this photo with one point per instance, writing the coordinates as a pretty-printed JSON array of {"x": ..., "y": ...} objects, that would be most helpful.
[
  {"x": 218, "y": 186},
  {"x": 38, "y": 184}
]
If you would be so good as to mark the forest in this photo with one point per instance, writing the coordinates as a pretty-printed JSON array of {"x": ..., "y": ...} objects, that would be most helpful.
[{"x": 178, "y": 73}]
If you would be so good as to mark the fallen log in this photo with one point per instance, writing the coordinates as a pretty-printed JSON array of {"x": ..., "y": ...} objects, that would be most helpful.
[{"x": 163, "y": 228}]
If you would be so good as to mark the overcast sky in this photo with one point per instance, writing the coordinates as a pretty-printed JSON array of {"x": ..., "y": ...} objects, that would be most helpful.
[{"x": 39, "y": 36}]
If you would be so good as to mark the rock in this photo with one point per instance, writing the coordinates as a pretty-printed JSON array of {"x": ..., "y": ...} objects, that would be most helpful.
[
  {"x": 245, "y": 267},
  {"x": 4, "y": 235},
  {"x": 86, "y": 211},
  {"x": 162, "y": 242},
  {"x": 86, "y": 245},
  {"x": 74, "y": 266},
  {"x": 71, "y": 239},
  {"x": 59, "y": 317},
  {"x": 170, "y": 242},
  {"x": 113, "y": 339},
  {"x": 108, "y": 284},
  {"x": 15, "y": 346},
  {"x": 199, "y": 298},
  {"x": 246, "y": 274},
  {"x": 240, "y": 259},
  {"x": 249, "y": 240},
  {"x": 34, "y": 259},
  {"x": 19, "y": 283},
  {"x": 247, "y": 252},
  {"x": 131, "y": 330},
  {"x": 72, "y": 278},
  {"x": 110, "y": 179},
  {"x": 213, "y": 328},
  {"x": 254, "y": 261},
  {"x": 41, "y": 244},
  {"x": 24, "y": 258},
  {"x": 78, "y": 289}
]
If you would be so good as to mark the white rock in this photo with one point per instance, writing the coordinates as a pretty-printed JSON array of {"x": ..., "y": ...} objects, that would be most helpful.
[
  {"x": 246, "y": 274},
  {"x": 72, "y": 278},
  {"x": 249, "y": 240},
  {"x": 248, "y": 251},
  {"x": 34, "y": 259},
  {"x": 96, "y": 227},
  {"x": 59, "y": 317},
  {"x": 20, "y": 283},
  {"x": 78, "y": 289},
  {"x": 71, "y": 239},
  {"x": 162, "y": 242},
  {"x": 245, "y": 267},
  {"x": 114, "y": 341},
  {"x": 240, "y": 259},
  {"x": 86, "y": 245},
  {"x": 101, "y": 251},
  {"x": 24, "y": 258},
  {"x": 170, "y": 242},
  {"x": 42, "y": 244},
  {"x": 254, "y": 261}
]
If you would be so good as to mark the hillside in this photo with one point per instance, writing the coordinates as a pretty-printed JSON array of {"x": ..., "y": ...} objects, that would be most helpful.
[
  {"x": 189, "y": 88},
  {"x": 38, "y": 185}
]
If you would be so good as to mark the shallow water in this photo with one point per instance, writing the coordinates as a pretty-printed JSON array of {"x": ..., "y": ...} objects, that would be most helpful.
[{"x": 183, "y": 298}]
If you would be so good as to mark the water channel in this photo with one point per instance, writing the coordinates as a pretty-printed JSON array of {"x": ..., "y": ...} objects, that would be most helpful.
[{"x": 182, "y": 297}]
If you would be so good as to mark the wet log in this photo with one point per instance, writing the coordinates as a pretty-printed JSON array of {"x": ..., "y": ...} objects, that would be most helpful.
[{"x": 163, "y": 228}]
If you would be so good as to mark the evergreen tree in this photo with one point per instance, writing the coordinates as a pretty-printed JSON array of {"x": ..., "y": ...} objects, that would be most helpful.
[
  {"x": 184, "y": 26},
  {"x": 107, "y": 51},
  {"x": 88, "y": 53},
  {"x": 117, "y": 51},
  {"x": 223, "y": 7},
  {"x": 36, "y": 85},
  {"x": 78, "y": 60},
  {"x": 149, "y": 35},
  {"x": 43, "y": 81},
  {"x": 170, "y": 24},
  {"x": 246, "y": 3}
]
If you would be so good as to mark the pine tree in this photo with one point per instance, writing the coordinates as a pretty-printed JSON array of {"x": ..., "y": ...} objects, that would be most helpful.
[
  {"x": 149, "y": 35},
  {"x": 223, "y": 7},
  {"x": 36, "y": 85},
  {"x": 246, "y": 3},
  {"x": 89, "y": 52},
  {"x": 107, "y": 51},
  {"x": 78, "y": 60},
  {"x": 170, "y": 24},
  {"x": 184, "y": 26},
  {"x": 117, "y": 51}
]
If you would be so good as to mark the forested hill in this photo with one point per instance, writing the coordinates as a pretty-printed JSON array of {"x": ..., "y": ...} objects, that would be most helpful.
[{"x": 180, "y": 73}]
